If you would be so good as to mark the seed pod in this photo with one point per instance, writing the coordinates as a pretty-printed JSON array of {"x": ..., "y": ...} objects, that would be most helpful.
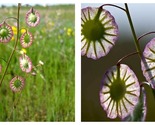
[
  {"x": 148, "y": 62},
  {"x": 120, "y": 91},
  {"x": 99, "y": 32},
  {"x": 32, "y": 18},
  {"x": 25, "y": 63},
  {"x": 17, "y": 84},
  {"x": 26, "y": 39},
  {"x": 6, "y": 32}
]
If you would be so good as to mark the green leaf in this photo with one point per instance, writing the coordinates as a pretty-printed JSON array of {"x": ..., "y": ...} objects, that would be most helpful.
[{"x": 139, "y": 113}]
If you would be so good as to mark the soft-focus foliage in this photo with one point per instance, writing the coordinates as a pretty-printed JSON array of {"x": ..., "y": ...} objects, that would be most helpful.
[{"x": 48, "y": 94}]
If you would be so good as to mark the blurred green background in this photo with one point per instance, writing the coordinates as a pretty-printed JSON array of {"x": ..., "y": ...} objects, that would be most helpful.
[
  {"x": 92, "y": 71},
  {"x": 48, "y": 95}
]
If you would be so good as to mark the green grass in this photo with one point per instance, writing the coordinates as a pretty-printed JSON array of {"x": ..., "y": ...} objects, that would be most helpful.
[{"x": 49, "y": 95}]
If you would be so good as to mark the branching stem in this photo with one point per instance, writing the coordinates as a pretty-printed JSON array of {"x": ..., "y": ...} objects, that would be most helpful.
[
  {"x": 133, "y": 31},
  {"x": 13, "y": 51},
  {"x": 131, "y": 54},
  {"x": 145, "y": 34},
  {"x": 11, "y": 18}
]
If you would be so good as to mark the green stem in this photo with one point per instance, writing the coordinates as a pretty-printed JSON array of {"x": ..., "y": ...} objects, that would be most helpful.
[
  {"x": 14, "y": 106},
  {"x": 133, "y": 31},
  {"x": 10, "y": 18},
  {"x": 113, "y": 6},
  {"x": 11, "y": 55},
  {"x": 130, "y": 54},
  {"x": 145, "y": 35}
]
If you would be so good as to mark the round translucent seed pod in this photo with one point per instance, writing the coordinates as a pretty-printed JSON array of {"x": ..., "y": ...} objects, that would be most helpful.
[
  {"x": 32, "y": 18},
  {"x": 6, "y": 32},
  {"x": 120, "y": 91},
  {"x": 99, "y": 32},
  {"x": 17, "y": 84}
]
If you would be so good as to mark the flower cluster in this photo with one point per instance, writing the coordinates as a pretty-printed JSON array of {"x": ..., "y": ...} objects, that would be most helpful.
[
  {"x": 7, "y": 33},
  {"x": 121, "y": 94}
]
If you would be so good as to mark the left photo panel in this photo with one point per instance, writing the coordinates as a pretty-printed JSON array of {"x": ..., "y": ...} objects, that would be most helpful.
[{"x": 37, "y": 62}]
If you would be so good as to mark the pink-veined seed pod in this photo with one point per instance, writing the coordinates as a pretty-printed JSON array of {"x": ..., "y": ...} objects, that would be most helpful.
[
  {"x": 17, "y": 84},
  {"x": 119, "y": 92},
  {"x": 32, "y": 18},
  {"x": 26, "y": 39},
  {"x": 140, "y": 108},
  {"x": 25, "y": 63},
  {"x": 148, "y": 62},
  {"x": 99, "y": 32},
  {"x": 6, "y": 32}
]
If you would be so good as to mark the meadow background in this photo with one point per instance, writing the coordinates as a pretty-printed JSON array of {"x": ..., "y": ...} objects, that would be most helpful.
[{"x": 49, "y": 95}]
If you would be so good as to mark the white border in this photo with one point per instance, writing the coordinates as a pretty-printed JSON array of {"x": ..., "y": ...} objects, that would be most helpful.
[
  {"x": 78, "y": 62},
  {"x": 38, "y": 1},
  {"x": 77, "y": 59}
]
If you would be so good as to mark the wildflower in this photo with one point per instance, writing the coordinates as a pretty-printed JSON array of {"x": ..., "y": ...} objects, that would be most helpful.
[
  {"x": 120, "y": 91},
  {"x": 6, "y": 32},
  {"x": 23, "y": 51},
  {"x": 32, "y": 18},
  {"x": 13, "y": 38},
  {"x": 17, "y": 84},
  {"x": 14, "y": 29},
  {"x": 69, "y": 32},
  {"x": 25, "y": 63},
  {"x": 41, "y": 62},
  {"x": 148, "y": 62},
  {"x": 51, "y": 24},
  {"x": 33, "y": 74},
  {"x": 26, "y": 39},
  {"x": 23, "y": 31},
  {"x": 99, "y": 32}
]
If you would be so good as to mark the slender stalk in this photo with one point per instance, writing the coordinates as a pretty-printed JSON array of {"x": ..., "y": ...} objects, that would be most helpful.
[
  {"x": 15, "y": 103},
  {"x": 114, "y": 6},
  {"x": 145, "y": 35},
  {"x": 130, "y": 54},
  {"x": 13, "y": 51},
  {"x": 11, "y": 18},
  {"x": 133, "y": 31}
]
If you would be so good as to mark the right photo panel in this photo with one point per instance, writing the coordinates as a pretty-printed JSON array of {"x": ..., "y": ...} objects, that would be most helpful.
[{"x": 117, "y": 62}]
